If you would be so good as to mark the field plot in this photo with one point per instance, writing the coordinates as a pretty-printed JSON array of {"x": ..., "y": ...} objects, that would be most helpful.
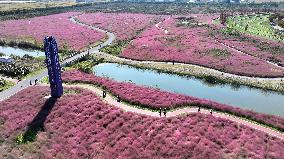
[
  {"x": 258, "y": 25},
  {"x": 80, "y": 125},
  {"x": 124, "y": 25},
  {"x": 69, "y": 35},
  {"x": 183, "y": 39}
]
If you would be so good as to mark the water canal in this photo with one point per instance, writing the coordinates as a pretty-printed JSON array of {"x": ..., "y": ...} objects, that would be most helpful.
[{"x": 244, "y": 97}]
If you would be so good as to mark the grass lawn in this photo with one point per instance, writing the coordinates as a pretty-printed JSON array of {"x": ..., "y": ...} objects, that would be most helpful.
[{"x": 258, "y": 25}]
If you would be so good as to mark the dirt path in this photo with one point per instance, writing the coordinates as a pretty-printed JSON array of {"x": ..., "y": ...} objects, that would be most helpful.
[{"x": 112, "y": 101}]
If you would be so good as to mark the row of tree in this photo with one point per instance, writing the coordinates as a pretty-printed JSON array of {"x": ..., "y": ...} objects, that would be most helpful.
[{"x": 277, "y": 18}]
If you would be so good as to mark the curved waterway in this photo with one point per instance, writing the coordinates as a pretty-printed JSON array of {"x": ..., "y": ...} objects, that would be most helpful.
[
  {"x": 20, "y": 52},
  {"x": 243, "y": 97}
]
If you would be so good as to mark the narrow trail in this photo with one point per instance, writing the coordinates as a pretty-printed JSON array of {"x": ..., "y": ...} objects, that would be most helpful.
[
  {"x": 239, "y": 51},
  {"x": 111, "y": 37},
  {"x": 109, "y": 99},
  {"x": 173, "y": 113},
  {"x": 26, "y": 83},
  {"x": 158, "y": 25}
]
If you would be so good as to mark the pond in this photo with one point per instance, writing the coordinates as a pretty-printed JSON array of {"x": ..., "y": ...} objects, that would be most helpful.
[
  {"x": 244, "y": 97},
  {"x": 20, "y": 52}
]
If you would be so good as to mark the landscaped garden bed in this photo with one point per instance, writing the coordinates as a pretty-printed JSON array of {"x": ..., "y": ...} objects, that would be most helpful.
[
  {"x": 155, "y": 99},
  {"x": 80, "y": 125},
  {"x": 124, "y": 25},
  {"x": 193, "y": 45},
  {"x": 33, "y": 30}
]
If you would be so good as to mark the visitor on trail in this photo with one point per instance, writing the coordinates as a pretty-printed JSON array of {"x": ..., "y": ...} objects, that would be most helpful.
[
  {"x": 36, "y": 81},
  {"x": 118, "y": 99},
  {"x": 173, "y": 62},
  {"x": 165, "y": 112},
  {"x": 211, "y": 111},
  {"x": 30, "y": 82},
  {"x": 160, "y": 112},
  {"x": 199, "y": 109},
  {"x": 104, "y": 93}
]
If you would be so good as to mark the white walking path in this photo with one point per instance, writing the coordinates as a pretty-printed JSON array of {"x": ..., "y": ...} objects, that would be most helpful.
[
  {"x": 126, "y": 107},
  {"x": 109, "y": 99},
  {"x": 26, "y": 83}
]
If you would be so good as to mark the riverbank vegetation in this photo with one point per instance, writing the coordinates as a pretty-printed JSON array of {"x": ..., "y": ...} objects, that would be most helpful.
[
  {"x": 21, "y": 66},
  {"x": 5, "y": 84},
  {"x": 116, "y": 48},
  {"x": 206, "y": 74}
]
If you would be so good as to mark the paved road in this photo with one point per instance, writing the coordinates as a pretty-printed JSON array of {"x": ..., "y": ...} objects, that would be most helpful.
[
  {"x": 26, "y": 83},
  {"x": 112, "y": 101}
]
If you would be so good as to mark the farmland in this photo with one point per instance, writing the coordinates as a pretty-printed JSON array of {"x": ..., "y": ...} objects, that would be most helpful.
[{"x": 231, "y": 75}]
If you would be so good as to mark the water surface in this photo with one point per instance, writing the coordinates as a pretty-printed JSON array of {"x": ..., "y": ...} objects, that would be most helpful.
[
  {"x": 20, "y": 52},
  {"x": 243, "y": 97}
]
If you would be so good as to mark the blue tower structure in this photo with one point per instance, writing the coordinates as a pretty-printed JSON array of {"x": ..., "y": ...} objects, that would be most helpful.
[{"x": 53, "y": 66}]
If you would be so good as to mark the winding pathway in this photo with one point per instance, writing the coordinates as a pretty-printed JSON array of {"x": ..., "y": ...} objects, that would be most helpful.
[
  {"x": 112, "y": 101},
  {"x": 26, "y": 83},
  {"x": 235, "y": 49},
  {"x": 189, "y": 69},
  {"x": 109, "y": 99}
]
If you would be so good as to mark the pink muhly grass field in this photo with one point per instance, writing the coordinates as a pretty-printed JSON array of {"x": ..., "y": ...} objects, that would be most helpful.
[
  {"x": 82, "y": 126},
  {"x": 66, "y": 32},
  {"x": 194, "y": 46},
  {"x": 260, "y": 48},
  {"x": 124, "y": 25},
  {"x": 155, "y": 99}
]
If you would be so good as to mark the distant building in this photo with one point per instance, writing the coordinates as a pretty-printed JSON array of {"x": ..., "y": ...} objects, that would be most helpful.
[{"x": 6, "y": 59}]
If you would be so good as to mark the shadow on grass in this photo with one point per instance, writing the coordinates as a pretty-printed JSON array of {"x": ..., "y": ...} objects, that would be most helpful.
[{"x": 37, "y": 124}]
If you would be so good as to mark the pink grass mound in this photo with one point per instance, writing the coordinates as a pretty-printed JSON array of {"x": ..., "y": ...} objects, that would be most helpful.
[
  {"x": 66, "y": 32},
  {"x": 155, "y": 99},
  {"x": 167, "y": 42},
  {"x": 124, "y": 25},
  {"x": 82, "y": 126}
]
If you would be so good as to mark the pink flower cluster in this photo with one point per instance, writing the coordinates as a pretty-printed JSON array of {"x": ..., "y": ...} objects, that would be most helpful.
[
  {"x": 245, "y": 44},
  {"x": 124, "y": 25},
  {"x": 194, "y": 46},
  {"x": 83, "y": 126},
  {"x": 58, "y": 25},
  {"x": 155, "y": 99}
]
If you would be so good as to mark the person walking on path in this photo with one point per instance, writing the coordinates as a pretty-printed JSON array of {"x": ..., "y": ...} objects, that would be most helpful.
[
  {"x": 160, "y": 112},
  {"x": 198, "y": 109},
  {"x": 165, "y": 112},
  {"x": 104, "y": 93},
  {"x": 211, "y": 111},
  {"x": 36, "y": 81},
  {"x": 30, "y": 82},
  {"x": 118, "y": 99}
]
